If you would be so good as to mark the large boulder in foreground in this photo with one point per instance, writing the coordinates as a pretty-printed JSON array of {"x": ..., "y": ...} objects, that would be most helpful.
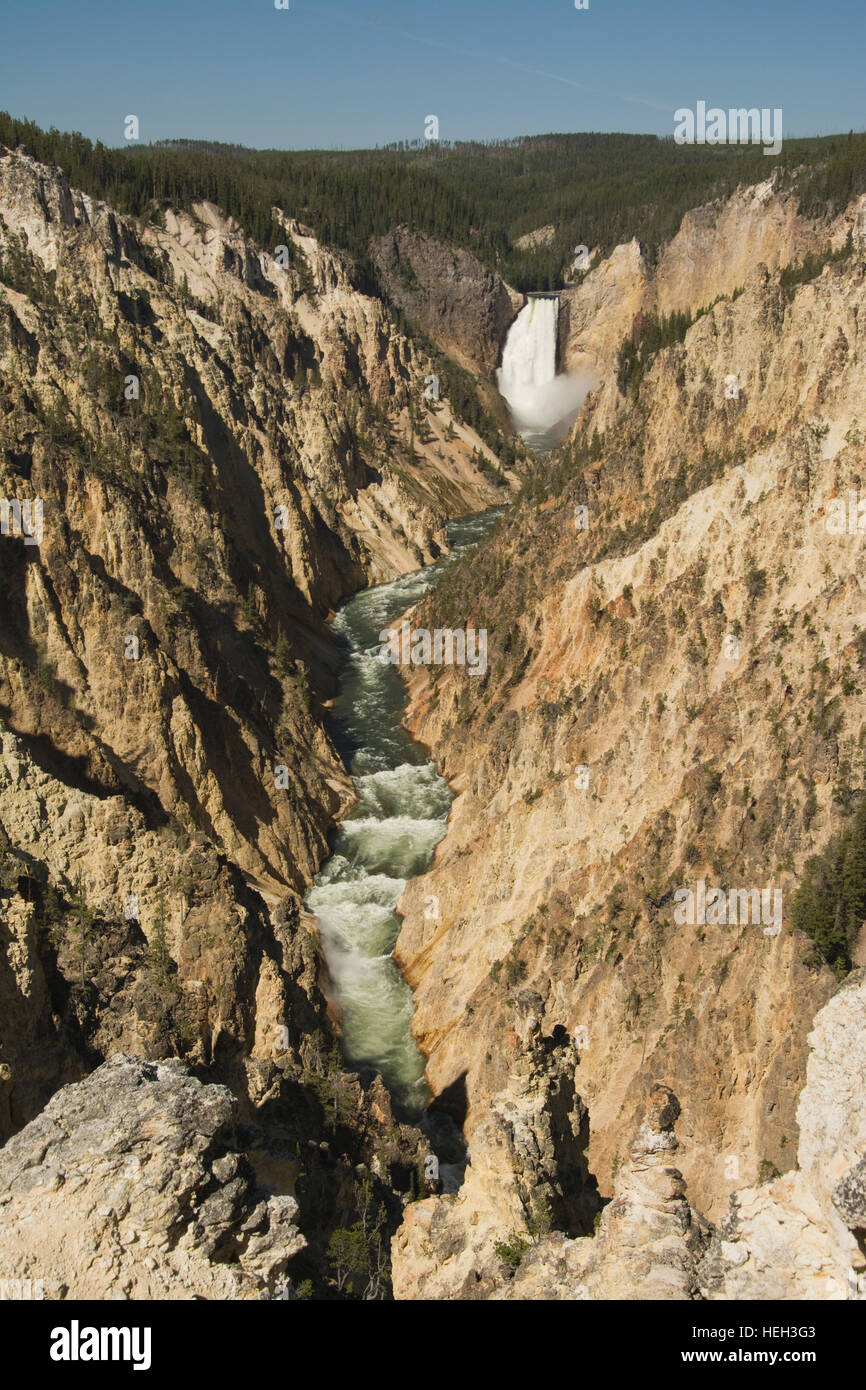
[{"x": 129, "y": 1185}]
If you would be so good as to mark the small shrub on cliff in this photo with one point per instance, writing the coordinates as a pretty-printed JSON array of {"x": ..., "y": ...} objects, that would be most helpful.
[
  {"x": 515, "y": 970},
  {"x": 283, "y": 657},
  {"x": 540, "y": 1220},
  {"x": 334, "y": 1088},
  {"x": 756, "y": 580},
  {"x": 768, "y": 1172},
  {"x": 10, "y": 872},
  {"x": 160, "y": 958},
  {"x": 250, "y": 607},
  {"x": 511, "y": 1250}
]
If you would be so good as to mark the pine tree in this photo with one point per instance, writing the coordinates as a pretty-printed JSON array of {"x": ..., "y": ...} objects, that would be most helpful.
[
  {"x": 83, "y": 919},
  {"x": 159, "y": 953}
]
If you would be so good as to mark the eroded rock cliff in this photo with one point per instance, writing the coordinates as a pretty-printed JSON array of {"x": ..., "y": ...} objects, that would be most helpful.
[
  {"x": 219, "y": 443},
  {"x": 796, "y": 1237},
  {"x": 206, "y": 445},
  {"x": 673, "y": 703},
  {"x": 136, "y": 1187},
  {"x": 463, "y": 307},
  {"x": 802, "y": 1235},
  {"x": 716, "y": 250}
]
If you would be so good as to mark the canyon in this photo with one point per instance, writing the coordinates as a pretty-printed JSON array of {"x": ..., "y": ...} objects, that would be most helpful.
[
  {"x": 165, "y": 801},
  {"x": 672, "y": 694}
]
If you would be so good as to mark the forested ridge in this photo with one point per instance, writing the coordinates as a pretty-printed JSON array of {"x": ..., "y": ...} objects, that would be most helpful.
[{"x": 595, "y": 189}]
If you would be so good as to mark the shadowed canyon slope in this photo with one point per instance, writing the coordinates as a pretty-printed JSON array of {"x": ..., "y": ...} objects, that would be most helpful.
[{"x": 464, "y": 308}]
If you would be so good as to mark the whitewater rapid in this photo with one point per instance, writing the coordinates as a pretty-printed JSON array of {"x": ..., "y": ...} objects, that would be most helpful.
[{"x": 387, "y": 838}]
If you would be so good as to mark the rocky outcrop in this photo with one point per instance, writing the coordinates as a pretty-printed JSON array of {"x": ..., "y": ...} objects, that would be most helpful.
[
  {"x": 536, "y": 1132},
  {"x": 220, "y": 978},
  {"x": 648, "y": 1236},
  {"x": 540, "y": 236},
  {"x": 131, "y": 1184},
  {"x": 463, "y": 307},
  {"x": 801, "y": 1236},
  {"x": 143, "y": 1181},
  {"x": 648, "y": 1239},
  {"x": 715, "y": 252},
  {"x": 797, "y": 1237},
  {"x": 644, "y": 1244}
]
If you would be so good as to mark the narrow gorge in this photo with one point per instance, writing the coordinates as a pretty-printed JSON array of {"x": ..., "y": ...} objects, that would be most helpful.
[
  {"x": 386, "y": 838},
  {"x": 432, "y": 746}
]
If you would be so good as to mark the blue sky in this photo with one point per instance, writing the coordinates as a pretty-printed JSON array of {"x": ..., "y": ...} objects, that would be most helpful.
[{"x": 364, "y": 72}]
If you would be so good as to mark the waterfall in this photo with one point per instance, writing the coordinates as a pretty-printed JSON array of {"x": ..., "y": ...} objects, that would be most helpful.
[
  {"x": 529, "y": 358},
  {"x": 541, "y": 402}
]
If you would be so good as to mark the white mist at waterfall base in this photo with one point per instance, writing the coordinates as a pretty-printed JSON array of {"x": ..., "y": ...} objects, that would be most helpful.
[
  {"x": 541, "y": 402},
  {"x": 388, "y": 837}
]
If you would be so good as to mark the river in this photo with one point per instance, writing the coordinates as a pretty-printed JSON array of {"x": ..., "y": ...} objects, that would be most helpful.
[{"x": 386, "y": 839}]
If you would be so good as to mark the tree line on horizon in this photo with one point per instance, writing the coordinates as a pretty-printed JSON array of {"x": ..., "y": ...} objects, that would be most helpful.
[{"x": 594, "y": 189}]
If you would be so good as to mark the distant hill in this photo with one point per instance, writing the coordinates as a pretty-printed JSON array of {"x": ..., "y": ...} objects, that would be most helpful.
[{"x": 594, "y": 189}]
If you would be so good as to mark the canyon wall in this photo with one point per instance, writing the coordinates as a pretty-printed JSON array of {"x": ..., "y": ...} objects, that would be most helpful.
[
  {"x": 209, "y": 444},
  {"x": 462, "y": 306},
  {"x": 715, "y": 251},
  {"x": 674, "y": 695}
]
